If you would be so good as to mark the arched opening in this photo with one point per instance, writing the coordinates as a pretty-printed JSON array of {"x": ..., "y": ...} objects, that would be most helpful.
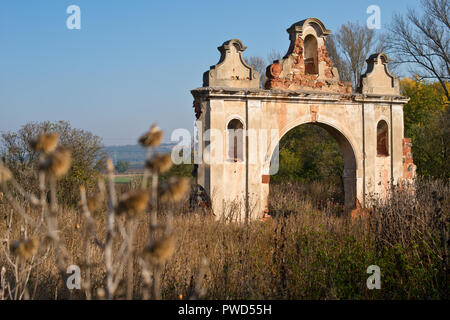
[
  {"x": 235, "y": 131},
  {"x": 311, "y": 55},
  {"x": 382, "y": 139},
  {"x": 317, "y": 164}
]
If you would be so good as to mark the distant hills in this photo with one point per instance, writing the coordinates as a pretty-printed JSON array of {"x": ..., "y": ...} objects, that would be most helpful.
[{"x": 134, "y": 154}]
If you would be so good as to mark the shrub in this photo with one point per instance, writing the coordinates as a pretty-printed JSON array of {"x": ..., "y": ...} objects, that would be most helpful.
[{"x": 88, "y": 157}]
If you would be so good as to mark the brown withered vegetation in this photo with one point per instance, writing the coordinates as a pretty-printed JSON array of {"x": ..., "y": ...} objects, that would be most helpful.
[
  {"x": 45, "y": 142},
  {"x": 160, "y": 163},
  {"x": 147, "y": 244}
]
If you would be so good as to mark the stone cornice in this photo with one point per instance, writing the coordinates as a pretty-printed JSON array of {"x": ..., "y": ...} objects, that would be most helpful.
[
  {"x": 293, "y": 95},
  {"x": 376, "y": 98}
]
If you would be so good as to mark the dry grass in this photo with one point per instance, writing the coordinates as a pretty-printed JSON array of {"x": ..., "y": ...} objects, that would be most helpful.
[
  {"x": 308, "y": 250},
  {"x": 305, "y": 254}
]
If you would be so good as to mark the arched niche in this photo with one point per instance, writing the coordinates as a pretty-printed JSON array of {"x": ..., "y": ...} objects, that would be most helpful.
[
  {"x": 311, "y": 55},
  {"x": 235, "y": 131},
  {"x": 382, "y": 139}
]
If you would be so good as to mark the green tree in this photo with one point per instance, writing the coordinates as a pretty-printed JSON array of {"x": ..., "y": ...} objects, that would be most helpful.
[
  {"x": 88, "y": 157},
  {"x": 427, "y": 123},
  {"x": 122, "y": 166},
  {"x": 309, "y": 153}
]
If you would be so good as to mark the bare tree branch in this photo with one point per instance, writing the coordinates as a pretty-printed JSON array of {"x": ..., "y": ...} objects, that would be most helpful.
[
  {"x": 423, "y": 41},
  {"x": 355, "y": 42}
]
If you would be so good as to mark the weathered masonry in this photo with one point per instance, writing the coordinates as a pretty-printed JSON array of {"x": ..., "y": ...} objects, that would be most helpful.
[{"x": 243, "y": 123}]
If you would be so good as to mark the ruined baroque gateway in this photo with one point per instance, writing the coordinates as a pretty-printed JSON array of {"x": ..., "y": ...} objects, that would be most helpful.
[{"x": 240, "y": 124}]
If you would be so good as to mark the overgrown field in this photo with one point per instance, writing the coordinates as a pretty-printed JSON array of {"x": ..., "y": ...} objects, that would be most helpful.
[
  {"x": 308, "y": 250},
  {"x": 148, "y": 240}
]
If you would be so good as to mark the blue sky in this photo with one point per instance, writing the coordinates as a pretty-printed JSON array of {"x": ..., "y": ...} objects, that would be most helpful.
[{"x": 134, "y": 62}]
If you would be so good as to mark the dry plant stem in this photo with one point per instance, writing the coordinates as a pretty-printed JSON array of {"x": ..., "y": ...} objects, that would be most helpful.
[
  {"x": 109, "y": 235},
  {"x": 21, "y": 270},
  {"x": 2, "y": 283},
  {"x": 90, "y": 225},
  {"x": 87, "y": 247},
  {"x": 444, "y": 246},
  {"x": 17, "y": 207},
  {"x": 42, "y": 194},
  {"x": 121, "y": 257},
  {"x": 146, "y": 279},
  {"x": 154, "y": 212},
  {"x": 8, "y": 257},
  {"x": 199, "y": 291},
  {"x": 156, "y": 284},
  {"x": 21, "y": 274},
  {"x": 146, "y": 171},
  {"x": 26, "y": 274},
  {"x": 29, "y": 196},
  {"x": 130, "y": 256},
  {"x": 122, "y": 252},
  {"x": 33, "y": 295},
  {"x": 16, "y": 276},
  {"x": 169, "y": 223},
  {"x": 52, "y": 225}
]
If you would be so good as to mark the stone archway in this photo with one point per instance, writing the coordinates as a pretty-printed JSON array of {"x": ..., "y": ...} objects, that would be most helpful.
[
  {"x": 295, "y": 94},
  {"x": 347, "y": 153}
]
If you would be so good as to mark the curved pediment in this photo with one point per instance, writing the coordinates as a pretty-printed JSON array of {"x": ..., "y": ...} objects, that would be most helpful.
[
  {"x": 315, "y": 23},
  {"x": 377, "y": 79},
  {"x": 232, "y": 70}
]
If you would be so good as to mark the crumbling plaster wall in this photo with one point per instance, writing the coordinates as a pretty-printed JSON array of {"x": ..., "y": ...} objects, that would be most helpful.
[{"x": 293, "y": 98}]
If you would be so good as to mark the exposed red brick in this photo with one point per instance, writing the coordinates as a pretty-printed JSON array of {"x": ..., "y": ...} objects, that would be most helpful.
[
  {"x": 275, "y": 69},
  {"x": 408, "y": 161},
  {"x": 302, "y": 77}
]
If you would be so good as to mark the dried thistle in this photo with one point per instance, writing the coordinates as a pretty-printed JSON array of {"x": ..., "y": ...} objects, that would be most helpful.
[
  {"x": 101, "y": 293},
  {"x": 174, "y": 190},
  {"x": 94, "y": 202},
  {"x": 57, "y": 163},
  {"x": 45, "y": 142},
  {"x": 25, "y": 248},
  {"x": 5, "y": 174},
  {"x": 159, "y": 163},
  {"x": 133, "y": 203},
  {"x": 160, "y": 251},
  {"x": 152, "y": 138}
]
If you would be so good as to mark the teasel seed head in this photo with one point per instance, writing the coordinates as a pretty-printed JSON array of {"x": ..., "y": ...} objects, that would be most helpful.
[
  {"x": 25, "y": 248},
  {"x": 45, "y": 142},
  {"x": 5, "y": 174},
  {"x": 152, "y": 138},
  {"x": 133, "y": 203},
  {"x": 174, "y": 190},
  {"x": 101, "y": 293},
  {"x": 57, "y": 163},
  {"x": 95, "y": 202},
  {"x": 160, "y": 251},
  {"x": 159, "y": 163}
]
